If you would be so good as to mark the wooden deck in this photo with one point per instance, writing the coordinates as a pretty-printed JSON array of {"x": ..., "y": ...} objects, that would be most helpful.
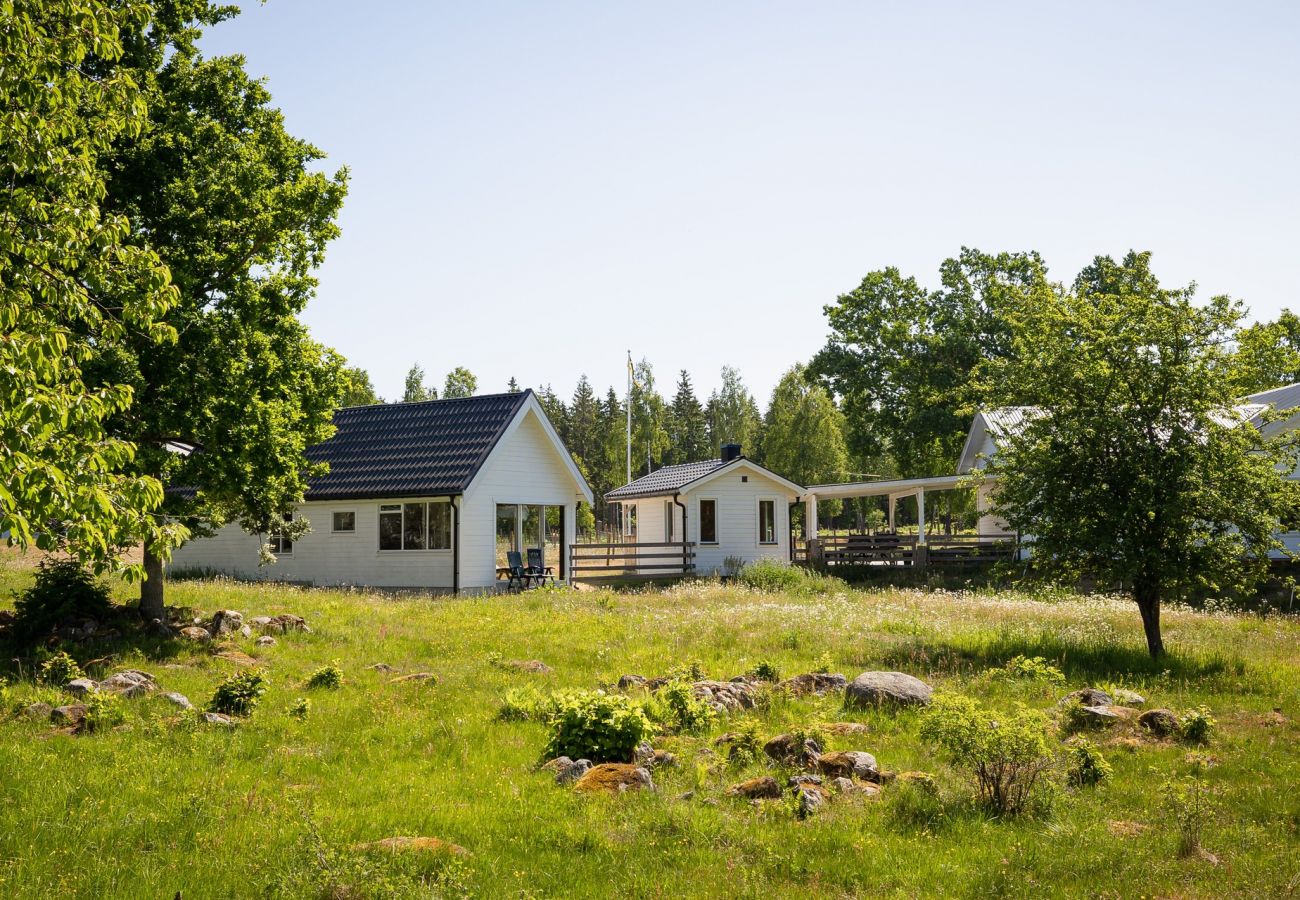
[
  {"x": 631, "y": 562},
  {"x": 940, "y": 552}
]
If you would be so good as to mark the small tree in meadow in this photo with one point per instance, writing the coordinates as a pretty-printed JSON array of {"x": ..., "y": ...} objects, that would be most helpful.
[{"x": 1139, "y": 471}]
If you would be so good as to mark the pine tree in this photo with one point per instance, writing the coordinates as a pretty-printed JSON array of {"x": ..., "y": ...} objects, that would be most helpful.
[
  {"x": 553, "y": 406},
  {"x": 583, "y": 436},
  {"x": 513, "y": 386},
  {"x": 686, "y": 425}
]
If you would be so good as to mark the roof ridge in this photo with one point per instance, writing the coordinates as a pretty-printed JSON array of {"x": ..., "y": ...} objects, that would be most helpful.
[{"x": 386, "y": 405}]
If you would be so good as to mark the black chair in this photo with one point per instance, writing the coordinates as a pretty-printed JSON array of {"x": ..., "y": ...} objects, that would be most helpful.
[
  {"x": 519, "y": 575},
  {"x": 537, "y": 570}
]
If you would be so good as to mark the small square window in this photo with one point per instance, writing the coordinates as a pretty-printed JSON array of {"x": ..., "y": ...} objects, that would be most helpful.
[
  {"x": 345, "y": 522},
  {"x": 744, "y": 479},
  {"x": 281, "y": 544}
]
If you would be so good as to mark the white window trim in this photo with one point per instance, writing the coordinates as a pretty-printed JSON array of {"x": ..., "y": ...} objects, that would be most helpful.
[
  {"x": 699, "y": 518},
  {"x": 289, "y": 517},
  {"x": 380, "y": 512},
  {"x": 758, "y": 522},
  {"x": 335, "y": 512}
]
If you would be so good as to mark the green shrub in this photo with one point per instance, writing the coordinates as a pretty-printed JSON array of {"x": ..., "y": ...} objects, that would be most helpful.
[
  {"x": 684, "y": 711},
  {"x": 1197, "y": 725},
  {"x": 524, "y": 704},
  {"x": 1187, "y": 801},
  {"x": 824, "y": 664},
  {"x": 59, "y": 669},
  {"x": 63, "y": 591},
  {"x": 595, "y": 725},
  {"x": 1085, "y": 765},
  {"x": 1031, "y": 668},
  {"x": 747, "y": 746},
  {"x": 1073, "y": 719},
  {"x": 103, "y": 711},
  {"x": 4, "y": 694},
  {"x": 771, "y": 575},
  {"x": 1005, "y": 754},
  {"x": 766, "y": 671},
  {"x": 301, "y": 708},
  {"x": 239, "y": 694},
  {"x": 330, "y": 677}
]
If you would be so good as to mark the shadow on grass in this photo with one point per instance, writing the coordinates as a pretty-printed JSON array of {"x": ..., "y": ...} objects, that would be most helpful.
[
  {"x": 1079, "y": 660},
  {"x": 121, "y": 634}
]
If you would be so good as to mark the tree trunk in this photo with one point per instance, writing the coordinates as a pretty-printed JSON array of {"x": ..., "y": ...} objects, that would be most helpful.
[
  {"x": 151, "y": 589},
  {"x": 1148, "y": 601}
]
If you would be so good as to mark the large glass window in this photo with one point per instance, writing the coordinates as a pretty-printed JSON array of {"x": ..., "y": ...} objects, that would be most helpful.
[
  {"x": 553, "y": 546},
  {"x": 413, "y": 527},
  {"x": 668, "y": 521},
  {"x": 708, "y": 521},
  {"x": 439, "y": 526},
  {"x": 390, "y": 526},
  {"x": 532, "y": 535},
  {"x": 767, "y": 521},
  {"x": 507, "y": 531}
]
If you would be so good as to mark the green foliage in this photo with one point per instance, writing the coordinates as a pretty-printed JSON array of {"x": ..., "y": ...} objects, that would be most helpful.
[
  {"x": 1196, "y": 726},
  {"x": 595, "y": 725},
  {"x": 525, "y": 704},
  {"x": 239, "y": 694},
  {"x": 104, "y": 710},
  {"x": 1085, "y": 765},
  {"x": 683, "y": 711},
  {"x": 72, "y": 282},
  {"x": 733, "y": 416},
  {"x": 916, "y": 803},
  {"x": 63, "y": 591},
  {"x": 905, "y": 360},
  {"x": 824, "y": 664},
  {"x": 1031, "y": 668},
  {"x": 358, "y": 389},
  {"x": 688, "y": 438},
  {"x": 803, "y": 433},
  {"x": 1005, "y": 754},
  {"x": 1190, "y": 805},
  {"x": 1072, "y": 718},
  {"x": 1267, "y": 355},
  {"x": 747, "y": 746},
  {"x": 59, "y": 669},
  {"x": 460, "y": 383},
  {"x": 415, "y": 390},
  {"x": 330, "y": 677},
  {"x": 300, "y": 709},
  {"x": 766, "y": 671},
  {"x": 1136, "y": 472}
]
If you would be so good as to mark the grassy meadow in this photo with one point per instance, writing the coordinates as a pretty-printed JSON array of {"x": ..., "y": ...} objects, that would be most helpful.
[{"x": 162, "y": 806}]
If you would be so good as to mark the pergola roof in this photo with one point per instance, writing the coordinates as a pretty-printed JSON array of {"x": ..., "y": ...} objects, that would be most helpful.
[{"x": 896, "y": 487}]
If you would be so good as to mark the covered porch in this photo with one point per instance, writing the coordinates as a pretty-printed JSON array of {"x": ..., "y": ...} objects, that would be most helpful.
[{"x": 890, "y": 547}]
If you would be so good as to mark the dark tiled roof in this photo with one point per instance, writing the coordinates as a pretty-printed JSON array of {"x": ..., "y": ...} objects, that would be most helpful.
[
  {"x": 667, "y": 480},
  {"x": 410, "y": 449}
]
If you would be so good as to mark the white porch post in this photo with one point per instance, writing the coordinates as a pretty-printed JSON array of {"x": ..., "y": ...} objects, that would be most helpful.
[
  {"x": 892, "y": 501},
  {"x": 920, "y": 516},
  {"x": 810, "y": 518}
]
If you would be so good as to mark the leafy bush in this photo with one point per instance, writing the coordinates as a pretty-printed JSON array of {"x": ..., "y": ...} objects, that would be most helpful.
[
  {"x": 824, "y": 664},
  {"x": 1005, "y": 754},
  {"x": 330, "y": 676},
  {"x": 766, "y": 671},
  {"x": 595, "y": 725},
  {"x": 1196, "y": 725},
  {"x": 1073, "y": 719},
  {"x": 1032, "y": 668},
  {"x": 524, "y": 704},
  {"x": 771, "y": 576},
  {"x": 747, "y": 746},
  {"x": 63, "y": 591},
  {"x": 4, "y": 694},
  {"x": 1188, "y": 802},
  {"x": 59, "y": 669},
  {"x": 301, "y": 708},
  {"x": 683, "y": 710},
  {"x": 239, "y": 694},
  {"x": 1085, "y": 765},
  {"x": 103, "y": 710}
]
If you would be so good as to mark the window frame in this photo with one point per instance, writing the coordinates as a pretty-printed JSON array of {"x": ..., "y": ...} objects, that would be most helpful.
[
  {"x": 758, "y": 521},
  {"x": 399, "y": 508},
  {"x": 334, "y": 522},
  {"x": 669, "y": 507},
  {"x": 699, "y": 517},
  {"x": 277, "y": 541}
]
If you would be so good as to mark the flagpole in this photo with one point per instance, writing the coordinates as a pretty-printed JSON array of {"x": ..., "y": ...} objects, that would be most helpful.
[{"x": 629, "y": 417}]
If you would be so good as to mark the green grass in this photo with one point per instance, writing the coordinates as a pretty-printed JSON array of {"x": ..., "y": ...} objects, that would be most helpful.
[{"x": 274, "y": 807}]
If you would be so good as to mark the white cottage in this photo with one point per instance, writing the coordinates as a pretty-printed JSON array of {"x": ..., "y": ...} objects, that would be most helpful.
[
  {"x": 425, "y": 496},
  {"x": 730, "y": 508}
]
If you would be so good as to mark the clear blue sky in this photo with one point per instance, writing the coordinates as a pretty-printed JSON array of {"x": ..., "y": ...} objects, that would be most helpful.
[{"x": 538, "y": 187}]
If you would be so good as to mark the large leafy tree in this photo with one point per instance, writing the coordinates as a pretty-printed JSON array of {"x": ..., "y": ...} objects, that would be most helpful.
[
  {"x": 1137, "y": 473},
  {"x": 414, "y": 389},
  {"x": 903, "y": 359},
  {"x": 71, "y": 282},
  {"x": 460, "y": 382},
  {"x": 732, "y": 414},
  {"x": 803, "y": 433},
  {"x": 358, "y": 390},
  {"x": 1268, "y": 354},
  {"x": 687, "y": 428},
  {"x": 237, "y": 209},
  {"x": 650, "y": 439}
]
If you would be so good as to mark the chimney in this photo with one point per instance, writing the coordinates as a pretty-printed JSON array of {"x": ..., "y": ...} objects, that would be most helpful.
[{"x": 730, "y": 452}]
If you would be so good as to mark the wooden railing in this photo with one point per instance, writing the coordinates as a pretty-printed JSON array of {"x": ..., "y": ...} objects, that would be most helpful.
[
  {"x": 627, "y": 562},
  {"x": 939, "y": 551}
]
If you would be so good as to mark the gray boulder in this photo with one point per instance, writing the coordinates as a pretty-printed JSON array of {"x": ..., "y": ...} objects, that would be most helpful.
[
  {"x": 39, "y": 711},
  {"x": 1160, "y": 722},
  {"x": 224, "y": 721},
  {"x": 1089, "y": 696},
  {"x": 225, "y": 621},
  {"x": 71, "y": 714},
  {"x": 267, "y": 641},
  {"x": 80, "y": 687},
  {"x": 887, "y": 689},
  {"x": 179, "y": 700},
  {"x": 129, "y": 683},
  {"x": 1124, "y": 697},
  {"x": 573, "y": 771}
]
